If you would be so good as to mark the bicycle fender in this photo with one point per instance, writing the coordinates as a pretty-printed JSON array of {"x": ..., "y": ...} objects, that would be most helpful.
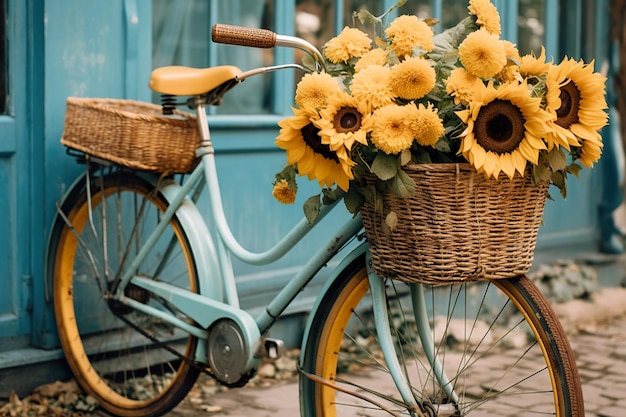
[
  {"x": 202, "y": 247},
  {"x": 359, "y": 251}
]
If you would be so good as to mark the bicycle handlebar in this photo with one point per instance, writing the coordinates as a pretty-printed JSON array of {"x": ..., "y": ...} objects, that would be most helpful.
[
  {"x": 262, "y": 38},
  {"x": 243, "y": 36}
]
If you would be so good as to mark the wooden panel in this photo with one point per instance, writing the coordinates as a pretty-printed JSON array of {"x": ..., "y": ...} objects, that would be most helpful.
[
  {"x": 3, "y": 43},
  {"x": 15, "y": 187},
  {"x": 7, "y": 264}
]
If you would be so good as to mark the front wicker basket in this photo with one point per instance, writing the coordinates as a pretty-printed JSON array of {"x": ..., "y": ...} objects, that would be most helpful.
[
  {"x": 457, "y": 227},
  {"x": 132, "y": 133}
]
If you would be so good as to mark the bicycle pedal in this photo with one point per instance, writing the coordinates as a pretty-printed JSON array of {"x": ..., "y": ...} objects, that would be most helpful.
[{"x": 274, "y": 348}]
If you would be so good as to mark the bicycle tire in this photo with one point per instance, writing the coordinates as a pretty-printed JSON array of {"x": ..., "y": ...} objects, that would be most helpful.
[
  {"x": 340, "y": 354},
  {"x": 129, "y": 374}
]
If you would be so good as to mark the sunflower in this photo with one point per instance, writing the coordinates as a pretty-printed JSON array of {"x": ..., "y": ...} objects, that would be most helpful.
[
  {"x": 407, "y": 32},
  {"x": 376, "y": 56},
  {"x": 427, "y": 126},
  {"x": 462, "y": 85},
  {"x": 510, "y": 72},
  {"x": 487, "y": 16},
  {"x": 532, "y": 66},
  {"x": 504, "y": 130},
  {"x": 371, "y": 87},
  {"x": 412, "y": 78},
  {"x": 282, "y": 193},
  {"x": 512, "y": 53},
  {"x": 299, "y": 137},
  {"x": 558, "y": 136},
  {"x": 582, "y": 104},
  {"x": 590, "y": 152},
  {"x": 350, "y": 43},
  {"x": 315, "y": 89},
  {"x": 482, "y": 54},
  {"x": 392, "y": 128},
  {"x": 342, "y": 123}
]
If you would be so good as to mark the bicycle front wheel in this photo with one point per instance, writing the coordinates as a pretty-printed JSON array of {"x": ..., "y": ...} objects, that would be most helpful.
[
  {"x": 129, "y": 361},
  {"x": 501, "y": 348}
]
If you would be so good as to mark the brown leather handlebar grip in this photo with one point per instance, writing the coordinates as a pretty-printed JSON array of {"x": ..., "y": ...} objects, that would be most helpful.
[{"x": 243, "y": 36}]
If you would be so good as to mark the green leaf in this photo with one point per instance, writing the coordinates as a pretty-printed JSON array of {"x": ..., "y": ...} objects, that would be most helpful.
[
  {"x": 312, "y": 208},
  {"x": 329, "y": 196},
  {"x": 574, "y": 169},
  {"x": 405, "y": 157},
  {"x": 365, "y": 17},
  {"x": 353, "y": 200},
  {"x": 309, "y": 63},
  {"x": 402, "y": 185},
  {"x": 420, "y": 156},
  {"x": 558, "y": 179},
  {"x": 391, "y": 220},
  {"x": 368, "y": 191},
  {"x": 443, "y": 146},
  {"x": 541, "y": 173},
  {"x": 557, "y": 159},
  {"x": 288, "y": 174},
  {"x": 431, "y": 21},
  {"x": 447, "y": 41},
  {"x": 385, "y": 166}
]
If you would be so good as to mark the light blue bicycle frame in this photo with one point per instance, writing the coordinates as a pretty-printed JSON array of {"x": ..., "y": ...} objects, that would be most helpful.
[{"x": 217, "y": 269}]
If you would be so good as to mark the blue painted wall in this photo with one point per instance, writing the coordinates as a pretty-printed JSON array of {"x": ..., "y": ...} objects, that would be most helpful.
[{"x": 104, "y": 49}]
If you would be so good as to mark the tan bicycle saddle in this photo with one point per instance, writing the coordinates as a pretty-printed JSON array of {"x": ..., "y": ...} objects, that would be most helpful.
[{"x": 185, "y": 81}]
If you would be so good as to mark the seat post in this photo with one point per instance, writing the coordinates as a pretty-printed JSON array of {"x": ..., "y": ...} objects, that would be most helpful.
[{"x": 206, "y": 145}]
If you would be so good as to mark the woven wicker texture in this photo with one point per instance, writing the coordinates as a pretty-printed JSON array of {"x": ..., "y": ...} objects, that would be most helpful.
[
  {"x": 458, "y": 226},
  {"x": 243, "y": 36},
  {"x": 131, "y": 133}
]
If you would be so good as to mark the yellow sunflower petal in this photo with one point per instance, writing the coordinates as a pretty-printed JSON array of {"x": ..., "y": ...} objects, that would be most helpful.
[
  {"x": 585, "y": 132},
  {"x": 371, "y": 88},
  {"x": 412, "y": 79},
  {"x": 482, "y": 54},
  {"x": 392, "y": 130},
  {"x": 487, "y": 15},
  {"x": 507, "y": 164},
  {"x": 351, "y": 42},
  {"x": 463, "y": 86},
  {"x": 426, "y": 125},
  {"x": 377, "y": 56},
  {"x": 491, "y": 165},
  {"x": 315, "y": 89},
  {"x": 407, "y": 32}
]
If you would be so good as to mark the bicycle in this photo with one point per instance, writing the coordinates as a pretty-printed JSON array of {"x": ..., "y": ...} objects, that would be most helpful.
[{"x": 163, "y": 305}]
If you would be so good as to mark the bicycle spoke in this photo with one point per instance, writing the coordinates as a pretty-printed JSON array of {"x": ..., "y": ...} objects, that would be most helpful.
[
  {"x": 126, "y": 359},
  {"x": 483, "y": 345}
]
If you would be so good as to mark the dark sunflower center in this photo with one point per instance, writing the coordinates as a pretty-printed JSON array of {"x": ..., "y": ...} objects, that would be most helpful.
[
  {"x": 313, "y": 141},
  {"x": 567, "y": 114},
  {"x": 499, "y": 127},
  {"x": 347, "y": 119}
]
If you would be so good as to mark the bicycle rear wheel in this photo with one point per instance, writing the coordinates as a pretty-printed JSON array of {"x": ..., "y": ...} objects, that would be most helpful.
[
  {"x": 502, "y": 348},
  {"x": 130, "y": 372}
]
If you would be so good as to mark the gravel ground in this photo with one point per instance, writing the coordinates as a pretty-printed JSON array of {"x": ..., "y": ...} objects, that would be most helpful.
[{"x": 66, "y": 399}]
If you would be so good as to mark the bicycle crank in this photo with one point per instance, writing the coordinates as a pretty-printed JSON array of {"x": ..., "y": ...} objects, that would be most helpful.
[{"x": 227, "y": 353}]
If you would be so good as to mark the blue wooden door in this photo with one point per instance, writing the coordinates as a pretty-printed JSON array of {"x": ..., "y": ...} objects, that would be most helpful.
[
  {"x": 107, "y": 49},
  {"x": 17, "y": 160}
]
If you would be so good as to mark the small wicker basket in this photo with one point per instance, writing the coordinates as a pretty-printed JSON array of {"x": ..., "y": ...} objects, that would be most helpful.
[
  {"x": 458, "y": 226},
  {"x": 132, "y": 133}
]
